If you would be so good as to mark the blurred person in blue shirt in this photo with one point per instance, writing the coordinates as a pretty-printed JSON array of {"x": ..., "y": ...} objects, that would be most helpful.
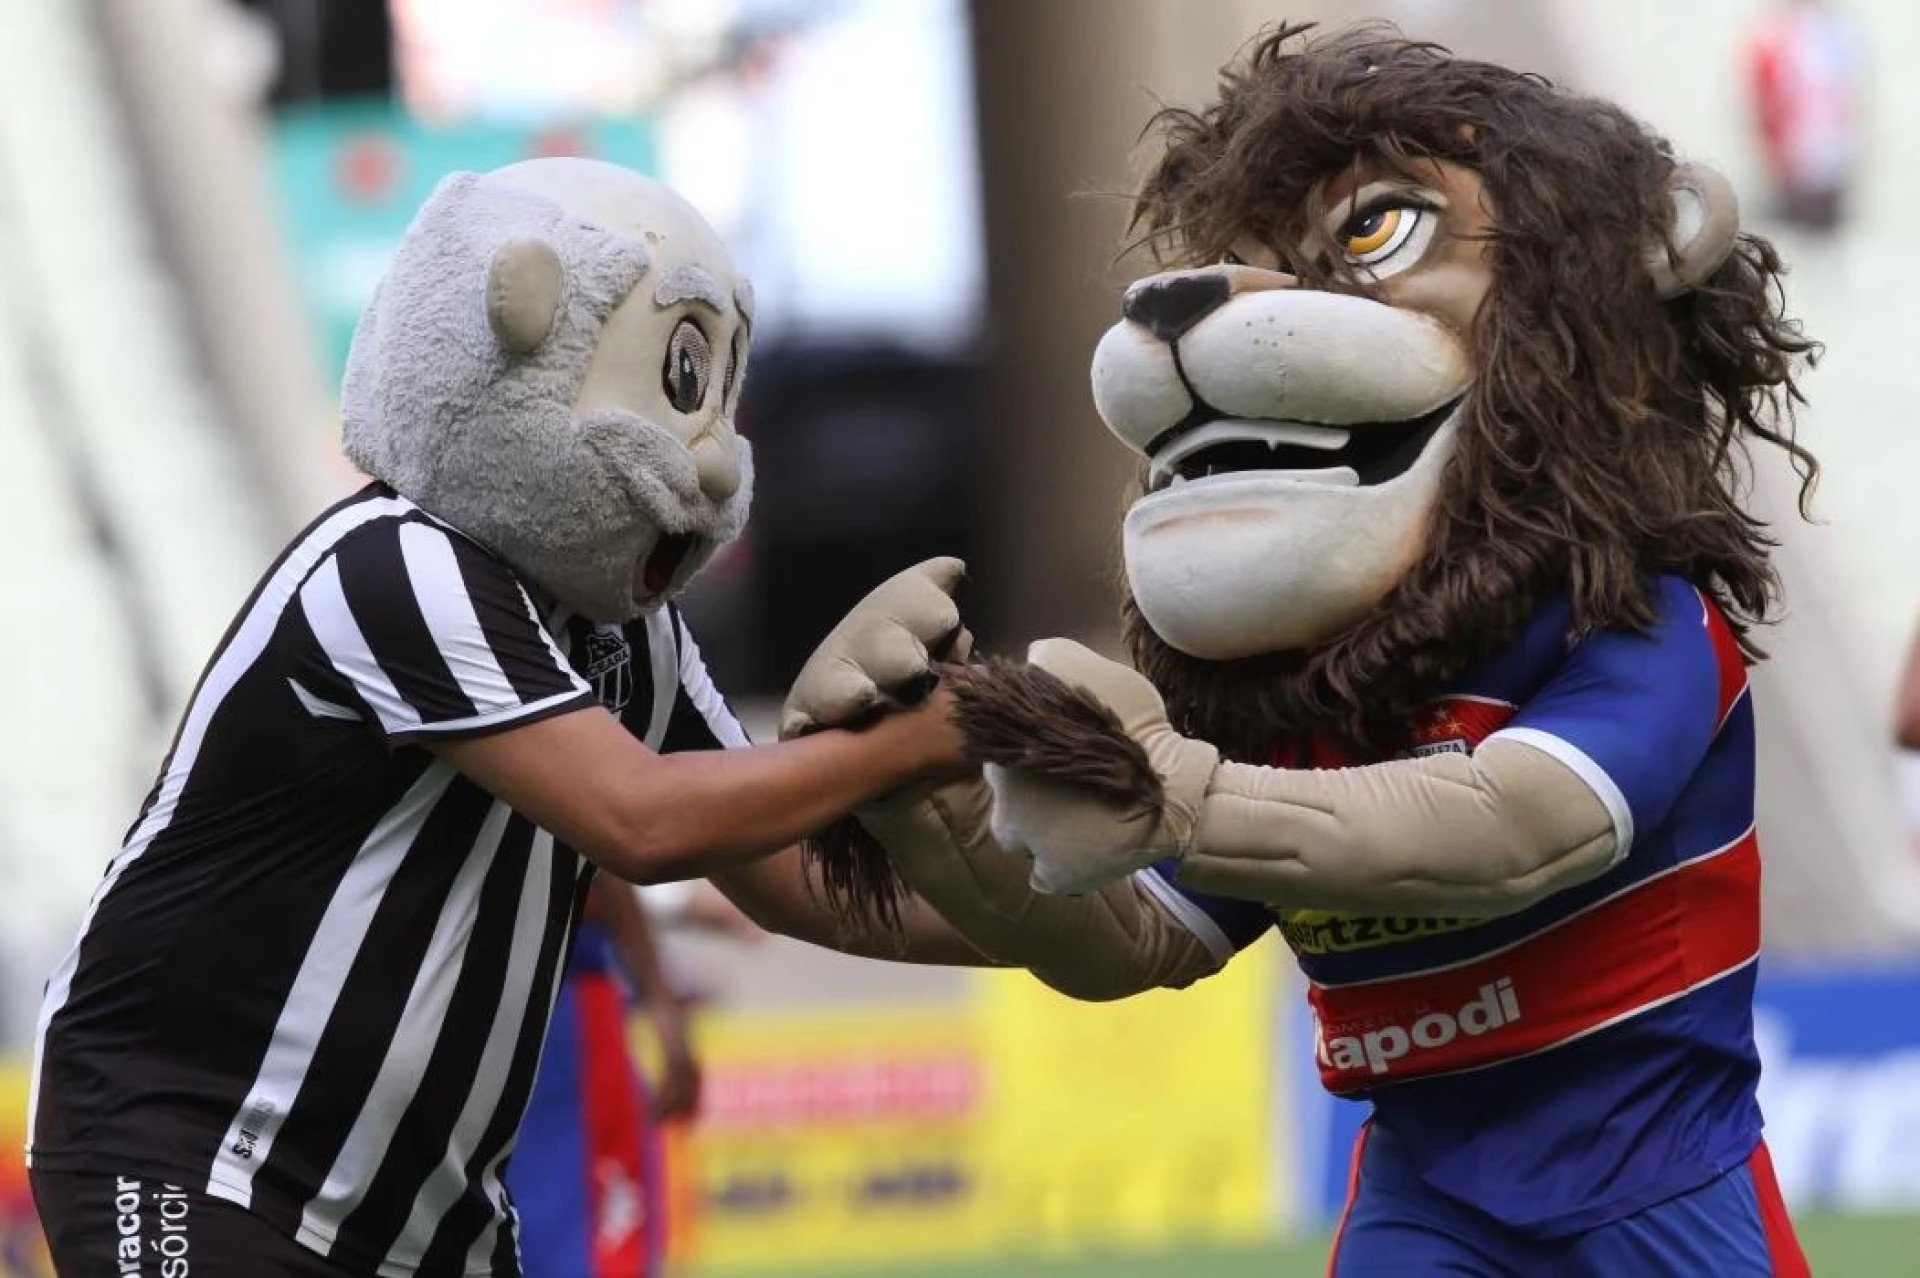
[{"x": 588, "y": 1175}]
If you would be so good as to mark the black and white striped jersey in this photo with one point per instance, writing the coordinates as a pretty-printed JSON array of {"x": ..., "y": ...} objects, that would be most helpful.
[{"x": 316, "y": 977}]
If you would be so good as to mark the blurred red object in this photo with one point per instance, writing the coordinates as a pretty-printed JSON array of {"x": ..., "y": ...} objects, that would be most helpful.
[
  {"x": 1805, "y": 68},
  {"x": 367, "y": 167}
]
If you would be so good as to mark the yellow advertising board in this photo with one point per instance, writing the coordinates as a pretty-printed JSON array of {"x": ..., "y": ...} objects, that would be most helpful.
[
  {"x": 23, "y": 1252},
  {"x": 1013, "y": 1121}
]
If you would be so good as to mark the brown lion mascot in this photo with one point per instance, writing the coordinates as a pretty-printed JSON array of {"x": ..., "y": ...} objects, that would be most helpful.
[{"x": 1440, "y": 607}]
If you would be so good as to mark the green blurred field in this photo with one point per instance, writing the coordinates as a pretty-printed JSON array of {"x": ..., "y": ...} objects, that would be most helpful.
[{"x": 1837, "y": 1246}]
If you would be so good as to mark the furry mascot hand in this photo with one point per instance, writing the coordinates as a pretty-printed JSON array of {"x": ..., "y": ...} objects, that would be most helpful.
[
  {"x": 1080, "y": 838},
  {"x": 936, "y": 841},
  {"x": 881, "y": 655}
]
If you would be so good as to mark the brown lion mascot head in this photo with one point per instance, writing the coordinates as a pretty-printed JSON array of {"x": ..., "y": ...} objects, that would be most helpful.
[
  {"x": 1435, "y": 341},
  {"x": 1622, "y": 344}
]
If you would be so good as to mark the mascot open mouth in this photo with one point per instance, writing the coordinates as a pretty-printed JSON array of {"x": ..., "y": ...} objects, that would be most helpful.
[
  {"x": 1357, "y": 455},
  {"x": 662, "y": 564}
]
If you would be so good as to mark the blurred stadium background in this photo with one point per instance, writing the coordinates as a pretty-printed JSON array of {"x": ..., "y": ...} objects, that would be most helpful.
[{"x": 197, "y": 195}]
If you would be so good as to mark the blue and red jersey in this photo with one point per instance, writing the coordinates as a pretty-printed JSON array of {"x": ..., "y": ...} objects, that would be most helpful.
[
  {"x": 586, "y": 1174},
  {"x": 1570, "y": 1064}
]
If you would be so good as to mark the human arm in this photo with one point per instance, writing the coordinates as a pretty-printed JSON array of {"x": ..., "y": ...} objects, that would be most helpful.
[
  {"x": 970, "y": 905},
  {"x": 612, "y": 904},
  {"x": 708, "y": 909},
  {"x": 783, "y": 894},
  {"x": 647, "y": 817},
  {"x": 696, "y": 905},
  {"x": 422, "y": 638}
]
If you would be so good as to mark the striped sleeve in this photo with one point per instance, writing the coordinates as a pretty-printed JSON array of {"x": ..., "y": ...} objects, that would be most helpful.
[
  {"x": 426, "y": 635},
  {"x": 701, "y": 719}
]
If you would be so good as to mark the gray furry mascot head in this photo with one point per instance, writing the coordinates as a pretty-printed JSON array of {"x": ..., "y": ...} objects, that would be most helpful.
[{"x": 551, "y": 365}]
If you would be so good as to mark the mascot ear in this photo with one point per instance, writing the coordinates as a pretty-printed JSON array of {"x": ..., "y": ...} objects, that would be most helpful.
[
  {"x": 1706, "y": 221},
  {"x": 524, "y": 282}
]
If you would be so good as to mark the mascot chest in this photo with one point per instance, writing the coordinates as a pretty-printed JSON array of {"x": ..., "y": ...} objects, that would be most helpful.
[{"x": 1456, "y": 723}]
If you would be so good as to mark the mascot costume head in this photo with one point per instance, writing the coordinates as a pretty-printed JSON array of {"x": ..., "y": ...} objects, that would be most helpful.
[
  {"x": 1440, "y": 342},
  {"x": 1442, "y": 339},
  {"x": 552, "y": 365}
]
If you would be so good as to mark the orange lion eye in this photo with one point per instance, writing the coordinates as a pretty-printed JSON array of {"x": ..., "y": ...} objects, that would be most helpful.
[
  {"x": 1388, "y": 237},
  {"x": 1372, "y": 231}
]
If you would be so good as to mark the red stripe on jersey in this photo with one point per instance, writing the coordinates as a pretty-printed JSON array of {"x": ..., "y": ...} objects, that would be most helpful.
[
  {"x": 1353, "y": 1192},
  {"x": 1726, "y": 655},
  {"x": 1783, "y": 1245},
  {"x": 613, "y": 1123},
  {"x": 1647, "y": 946}
]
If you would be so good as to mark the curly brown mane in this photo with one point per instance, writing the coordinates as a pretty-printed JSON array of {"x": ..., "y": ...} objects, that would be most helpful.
[{"x": 1607, "y": 433}]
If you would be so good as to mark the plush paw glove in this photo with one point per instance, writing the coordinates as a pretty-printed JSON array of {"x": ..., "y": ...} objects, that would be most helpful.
[
  {"x": 881, "y": 655},
  {"x": 1081, "y": 841}
]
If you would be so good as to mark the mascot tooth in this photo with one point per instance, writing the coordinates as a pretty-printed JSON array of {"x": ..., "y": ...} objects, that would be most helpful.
[
  {"x": 614, "y": 308},
  {"x": 1440, "y": 594}
]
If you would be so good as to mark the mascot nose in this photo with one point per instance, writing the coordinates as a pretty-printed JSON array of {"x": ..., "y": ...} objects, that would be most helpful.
[
  {"x": 1168, "y": 305},
  {"x": 717, "y": 467}
]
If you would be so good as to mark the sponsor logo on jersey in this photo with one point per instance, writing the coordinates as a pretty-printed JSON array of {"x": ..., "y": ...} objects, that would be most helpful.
[
  {"x": 250, "y": 1128},
  {"x": 1376, "y": 1049},
  {"x": 1316, "y": 932}
]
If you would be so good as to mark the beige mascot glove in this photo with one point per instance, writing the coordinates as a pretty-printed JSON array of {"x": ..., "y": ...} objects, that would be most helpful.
[
  {"x": 1108, "y": 945},
  {"x": 880, "y": 656},
  {"x": 1481, "y": 834}
]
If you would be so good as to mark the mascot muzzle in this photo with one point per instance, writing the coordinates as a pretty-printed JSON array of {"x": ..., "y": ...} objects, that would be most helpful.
[{"x": 1294, "y": 440}]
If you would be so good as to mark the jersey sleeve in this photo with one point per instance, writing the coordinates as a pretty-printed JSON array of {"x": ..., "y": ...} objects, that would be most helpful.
[
  {"x": 701, "y": 719},
  {"x": 425, "y": 635},
  {"x": 1224, "y": 924},
  {"x": 1634, "y": 714}
]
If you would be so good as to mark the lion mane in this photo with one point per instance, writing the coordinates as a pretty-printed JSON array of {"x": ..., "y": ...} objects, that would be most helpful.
[{"x": 1606, "y": 437}]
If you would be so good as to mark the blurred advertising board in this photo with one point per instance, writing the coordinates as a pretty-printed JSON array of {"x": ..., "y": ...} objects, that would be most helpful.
[
  {"x": 350, "y": 175},
  {"x": 1841, "y": 1084},
  {"x": 23, "y": 1252},
  {"x": 1840, "y": 1088},
  {"x": 1011, "y": 1122}
]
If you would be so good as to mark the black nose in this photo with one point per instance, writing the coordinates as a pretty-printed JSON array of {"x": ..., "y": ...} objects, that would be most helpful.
[{"x": 1168, "y": 306}]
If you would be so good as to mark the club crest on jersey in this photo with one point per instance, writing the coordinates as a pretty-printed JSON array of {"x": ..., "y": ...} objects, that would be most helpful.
[
  {"x": 609, "y": 666},
  {"x": 1455, "y": 725}
]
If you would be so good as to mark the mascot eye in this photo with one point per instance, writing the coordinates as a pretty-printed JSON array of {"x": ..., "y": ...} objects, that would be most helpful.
[
  {"x": 1373, "y": 236},
  {"x": 689, "y": 367},
  {"x": 734, "y": 360}
]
